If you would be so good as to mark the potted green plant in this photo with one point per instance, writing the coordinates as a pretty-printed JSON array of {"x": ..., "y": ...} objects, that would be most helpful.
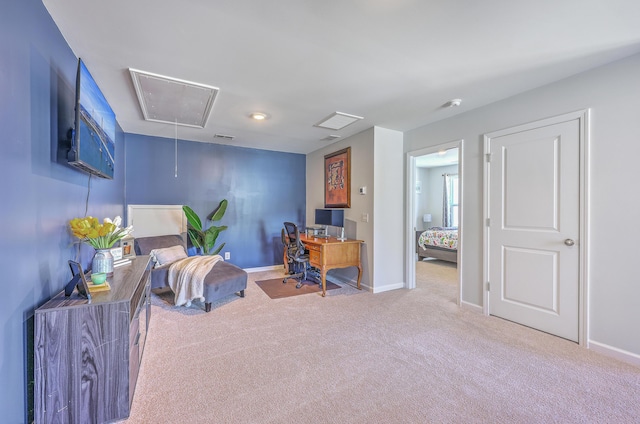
[{"x": 205, "y": 240}]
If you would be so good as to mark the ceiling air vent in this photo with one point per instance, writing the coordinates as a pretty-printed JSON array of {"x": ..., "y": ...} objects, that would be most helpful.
[
  {"x": 172, "y": 100},
  {"x": 337, "y": 121},
  {"x": 331, "y": 137},
  {"x": 224, "y": 136}
]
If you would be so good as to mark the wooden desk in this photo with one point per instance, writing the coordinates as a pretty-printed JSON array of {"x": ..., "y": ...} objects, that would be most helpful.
[{"x": 330, "y": 253}]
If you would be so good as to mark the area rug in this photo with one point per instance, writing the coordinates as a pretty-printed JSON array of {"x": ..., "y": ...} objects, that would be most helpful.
[{"x": 276, "y": 289}]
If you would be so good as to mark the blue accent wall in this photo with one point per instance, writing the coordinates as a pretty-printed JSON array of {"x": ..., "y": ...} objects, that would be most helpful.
[
  {"x": 39, "y": 192},
  {"x": 264, "y": 189}
]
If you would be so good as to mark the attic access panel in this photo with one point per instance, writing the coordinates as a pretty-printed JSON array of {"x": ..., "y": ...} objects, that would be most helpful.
[
  {"x": 173, "y": 101},
  {"x": 338, "y": 120}
]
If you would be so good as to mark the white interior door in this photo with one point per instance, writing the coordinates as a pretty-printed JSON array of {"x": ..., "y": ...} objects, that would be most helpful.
[{"x": 533, "y": 227}]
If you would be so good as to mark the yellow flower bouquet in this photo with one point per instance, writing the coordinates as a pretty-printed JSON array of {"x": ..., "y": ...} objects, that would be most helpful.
[{"x": 99, "y": 235}]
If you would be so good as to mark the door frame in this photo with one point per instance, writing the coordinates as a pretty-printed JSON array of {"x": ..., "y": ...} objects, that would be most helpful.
[
  {"x": 583, "y": 243},
  {"x": 410, "y": 251}
]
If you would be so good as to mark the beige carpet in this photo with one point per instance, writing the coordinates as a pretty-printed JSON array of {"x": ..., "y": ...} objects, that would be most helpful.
[{"x": 356, "y": 357}]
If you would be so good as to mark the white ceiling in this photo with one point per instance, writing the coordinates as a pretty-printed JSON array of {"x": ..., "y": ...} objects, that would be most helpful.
[
  {"x": 394, "y": 62},
  {"x": 433, "y": 160}
]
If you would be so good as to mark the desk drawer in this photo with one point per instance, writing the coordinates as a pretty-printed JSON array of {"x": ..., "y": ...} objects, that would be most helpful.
[
  {"x": 313, "y": 247},
  {"x": 314, "y": 257}
]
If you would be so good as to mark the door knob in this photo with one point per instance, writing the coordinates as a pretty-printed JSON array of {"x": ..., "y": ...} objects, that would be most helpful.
[{"x": 569, "y": 242}]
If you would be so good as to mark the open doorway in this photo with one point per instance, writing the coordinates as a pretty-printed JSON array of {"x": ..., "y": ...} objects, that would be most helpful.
[{"x": 434, "y": 212}]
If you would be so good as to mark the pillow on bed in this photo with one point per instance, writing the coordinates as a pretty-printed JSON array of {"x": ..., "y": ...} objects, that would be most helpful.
[{"x": 168, "y": 254}]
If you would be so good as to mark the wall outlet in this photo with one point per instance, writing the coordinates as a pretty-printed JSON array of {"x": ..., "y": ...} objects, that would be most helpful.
[
  {"x": 364, "y": 217},
  {"x": 227, "y": 256}
]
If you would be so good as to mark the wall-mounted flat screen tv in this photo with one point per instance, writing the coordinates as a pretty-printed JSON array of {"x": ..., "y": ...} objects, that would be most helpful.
[{"x": 93, "y": 137}]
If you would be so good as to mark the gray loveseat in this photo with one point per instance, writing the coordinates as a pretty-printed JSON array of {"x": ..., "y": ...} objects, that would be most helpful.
[{"x": 223, "y": 280}]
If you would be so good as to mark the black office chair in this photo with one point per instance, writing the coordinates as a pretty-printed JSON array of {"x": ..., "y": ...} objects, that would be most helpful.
[{"x": 297, "y": 258}]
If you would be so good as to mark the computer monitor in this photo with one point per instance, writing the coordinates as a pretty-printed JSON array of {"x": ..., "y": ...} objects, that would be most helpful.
[{"x": 334, "y": 217}]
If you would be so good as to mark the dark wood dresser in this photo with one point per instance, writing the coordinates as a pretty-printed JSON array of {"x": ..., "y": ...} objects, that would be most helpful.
[{"x": 87, "y": 354}]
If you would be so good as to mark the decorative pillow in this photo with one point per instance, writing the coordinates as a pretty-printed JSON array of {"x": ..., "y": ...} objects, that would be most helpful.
[{"x": 168, "y": 254}]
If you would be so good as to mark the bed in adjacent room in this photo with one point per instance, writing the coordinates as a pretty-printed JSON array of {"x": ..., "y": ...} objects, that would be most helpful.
[{"x": 439, "y": 243}]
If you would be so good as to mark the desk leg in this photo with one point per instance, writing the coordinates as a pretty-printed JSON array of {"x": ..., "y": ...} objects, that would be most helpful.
[
  {"x": 323, "y": 275},
  {"x": 359, "y": 276}
]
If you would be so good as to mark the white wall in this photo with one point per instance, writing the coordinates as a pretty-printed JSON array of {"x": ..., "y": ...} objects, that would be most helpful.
[
  {"x": 376, "y": 163},
  {"x": 612, "y": 93},
  {"x": 422, "y": 204},
  {"x": 388, "y": 210},
  {"x": 362, "y": 153}
]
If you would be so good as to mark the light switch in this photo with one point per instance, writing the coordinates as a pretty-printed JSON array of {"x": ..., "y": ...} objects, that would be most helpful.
[{"x": 365, "y": 217}]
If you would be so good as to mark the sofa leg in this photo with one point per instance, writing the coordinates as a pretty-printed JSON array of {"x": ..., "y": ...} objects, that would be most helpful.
[
  {"x": 241, "y": 293},
  {"x": 207, "y": 307}
]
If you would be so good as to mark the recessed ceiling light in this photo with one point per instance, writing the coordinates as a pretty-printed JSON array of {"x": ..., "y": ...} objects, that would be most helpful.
[
  {"x": 337, "y": 121},
  {"x": 258, "y": 116}
]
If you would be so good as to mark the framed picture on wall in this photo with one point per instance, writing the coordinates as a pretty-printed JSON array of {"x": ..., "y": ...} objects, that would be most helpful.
[{"x": 337, "y": 179}]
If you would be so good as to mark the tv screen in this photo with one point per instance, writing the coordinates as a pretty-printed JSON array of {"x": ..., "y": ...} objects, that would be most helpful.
[
  {"x": 333, "y": 217},
  {"x": 93, "y": 140}
]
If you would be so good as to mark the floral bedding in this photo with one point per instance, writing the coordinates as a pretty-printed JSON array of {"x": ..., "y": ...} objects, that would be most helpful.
[{"x": 446, "y": 238}]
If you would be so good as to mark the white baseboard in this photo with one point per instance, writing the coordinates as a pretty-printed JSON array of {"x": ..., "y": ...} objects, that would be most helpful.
[
  {"x": 336, "y": 279},
  {"x": 266, "y": 268},
  {"x": 388, "y": 287},
  {"x": 614, "y": 352},
  {"x": 353, "y": 283},
  {"x": 473, "y": 306}
]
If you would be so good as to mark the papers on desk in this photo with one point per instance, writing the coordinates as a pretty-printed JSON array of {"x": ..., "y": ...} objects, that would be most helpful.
[{"x": 121, "y": 262}]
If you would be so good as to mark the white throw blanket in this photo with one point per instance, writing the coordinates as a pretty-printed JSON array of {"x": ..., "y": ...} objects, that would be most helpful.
[{"x": 186, "y": 277}]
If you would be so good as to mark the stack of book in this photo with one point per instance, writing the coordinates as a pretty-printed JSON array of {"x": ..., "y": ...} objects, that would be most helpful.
[{"x": 93, "y": 288}]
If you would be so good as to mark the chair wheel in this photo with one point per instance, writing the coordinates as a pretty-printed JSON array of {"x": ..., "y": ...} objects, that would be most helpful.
[
  {"x": 284, "y": 281},
  {"x": 299, "y": 285}
]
